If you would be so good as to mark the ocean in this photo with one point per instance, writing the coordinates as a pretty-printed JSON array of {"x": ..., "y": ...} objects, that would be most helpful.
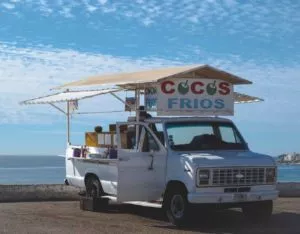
[{"x": 51, "y": 170}]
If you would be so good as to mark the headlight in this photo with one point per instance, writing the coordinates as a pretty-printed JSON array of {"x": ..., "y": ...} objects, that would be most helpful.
[
  {"x": 270, "y": 175},
  {"x": 203, "y": 177}
]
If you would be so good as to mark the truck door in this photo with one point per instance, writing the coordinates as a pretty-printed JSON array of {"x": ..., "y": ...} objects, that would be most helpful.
[{"x": 142, "y": 163}]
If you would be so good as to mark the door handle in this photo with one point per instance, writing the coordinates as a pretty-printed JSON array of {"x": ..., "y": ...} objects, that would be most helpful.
[{"x": 151, "y": 165}]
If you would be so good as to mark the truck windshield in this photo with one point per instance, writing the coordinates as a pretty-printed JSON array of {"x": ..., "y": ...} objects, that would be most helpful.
[{"x": 195, "y": 136}]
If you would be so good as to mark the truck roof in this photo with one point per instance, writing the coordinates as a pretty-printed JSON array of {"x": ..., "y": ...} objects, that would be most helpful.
[{"x": 175, "y": 119}]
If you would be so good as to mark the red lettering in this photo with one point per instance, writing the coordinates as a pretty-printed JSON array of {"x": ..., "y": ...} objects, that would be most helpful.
[
  {"x": 196, "y": 90},
  {"x": 224, "y": 88},
  {"x": 165, "y": 89}
]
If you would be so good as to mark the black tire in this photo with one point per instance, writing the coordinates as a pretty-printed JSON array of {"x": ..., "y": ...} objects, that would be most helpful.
[
  {"x": 258, "y": 212},
  {"x": 94, "y": 191},
  {"x": 176, "y": 206},
  {"x": 93, "y": 187}
]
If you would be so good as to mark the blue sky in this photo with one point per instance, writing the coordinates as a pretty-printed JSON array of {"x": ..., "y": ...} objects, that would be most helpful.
[{"x": 45, "y": 43}]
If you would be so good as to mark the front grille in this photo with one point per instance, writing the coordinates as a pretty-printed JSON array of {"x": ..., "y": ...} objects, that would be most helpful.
[{"x": 238, "y": 176}]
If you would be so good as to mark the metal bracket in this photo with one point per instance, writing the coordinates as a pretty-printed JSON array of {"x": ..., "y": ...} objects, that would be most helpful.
[
  {"x": 121, "y": 100},
  {"x": 57, "y": 108}
]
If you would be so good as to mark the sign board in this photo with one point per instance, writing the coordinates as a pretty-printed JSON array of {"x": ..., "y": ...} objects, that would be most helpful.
[{"x": 191, "y": 96}]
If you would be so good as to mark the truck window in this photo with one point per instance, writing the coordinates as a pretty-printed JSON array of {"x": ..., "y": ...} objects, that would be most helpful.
[
  {"x": 149, "y": 143},
  {"x": 229, "y": 135},
  {"x": 158, "y": 130},
  {"x": 145, "y": 143},
  {"x": 196, "y": 136},
  {"x": 128, "y": 136},
  {"x": 185, "y": 134}
]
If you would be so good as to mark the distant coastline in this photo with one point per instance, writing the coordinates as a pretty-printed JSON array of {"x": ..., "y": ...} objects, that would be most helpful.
[{"x": 289, "y": 158}]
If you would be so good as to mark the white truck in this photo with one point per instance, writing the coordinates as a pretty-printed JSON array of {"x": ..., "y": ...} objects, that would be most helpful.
[{"x": 179, "y": 162}]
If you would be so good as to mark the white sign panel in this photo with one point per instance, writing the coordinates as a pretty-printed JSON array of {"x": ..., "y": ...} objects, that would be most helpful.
[{"x": 201, "y": 97}]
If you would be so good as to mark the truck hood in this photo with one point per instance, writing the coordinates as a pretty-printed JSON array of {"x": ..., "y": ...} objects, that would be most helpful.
[{"x": 228, "y": 159}]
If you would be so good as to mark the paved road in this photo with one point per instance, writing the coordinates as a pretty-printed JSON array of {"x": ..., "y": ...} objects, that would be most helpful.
[{"x": 66, "y": 217}]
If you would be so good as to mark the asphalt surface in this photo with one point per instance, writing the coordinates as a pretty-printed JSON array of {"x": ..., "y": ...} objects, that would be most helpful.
[{"x": 66, "y": 217}]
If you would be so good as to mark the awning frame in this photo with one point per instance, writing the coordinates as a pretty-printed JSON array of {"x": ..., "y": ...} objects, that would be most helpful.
[{"x": 138, "y": 84}]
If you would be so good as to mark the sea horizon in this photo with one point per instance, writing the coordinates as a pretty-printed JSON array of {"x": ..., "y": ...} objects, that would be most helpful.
[{"x": 50, "y": 169}]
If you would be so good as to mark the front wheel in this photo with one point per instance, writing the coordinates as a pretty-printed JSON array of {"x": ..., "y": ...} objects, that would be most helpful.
[
  {"x": 176, "y": 206},
  {"x": 258, "y": 212}
]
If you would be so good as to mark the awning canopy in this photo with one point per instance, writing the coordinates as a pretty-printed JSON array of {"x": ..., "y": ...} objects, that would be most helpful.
[
  {"x": 77, "y": 95},
  {"x": 69, "y": 96},
  {"x": 139, "y": 79},
  {"x": 243, "y": 98}
]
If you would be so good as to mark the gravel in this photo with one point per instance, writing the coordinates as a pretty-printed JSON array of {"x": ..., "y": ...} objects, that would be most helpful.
[{"x": 66, "y": 217}]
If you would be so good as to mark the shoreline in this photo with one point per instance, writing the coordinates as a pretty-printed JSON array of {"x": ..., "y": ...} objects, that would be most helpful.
[
  {"x": 61, "y": 192},
  {"x": 287, "y": 163}
]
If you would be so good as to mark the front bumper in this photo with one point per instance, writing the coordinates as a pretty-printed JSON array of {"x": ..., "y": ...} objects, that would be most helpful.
[{"x": 217, "y": 198}]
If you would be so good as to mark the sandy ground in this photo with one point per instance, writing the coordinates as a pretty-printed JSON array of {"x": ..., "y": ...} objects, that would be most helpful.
[{"x": 66, "y": 217}]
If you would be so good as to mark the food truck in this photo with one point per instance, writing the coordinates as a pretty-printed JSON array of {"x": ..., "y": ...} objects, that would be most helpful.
[{"x": 179, "y": 151}]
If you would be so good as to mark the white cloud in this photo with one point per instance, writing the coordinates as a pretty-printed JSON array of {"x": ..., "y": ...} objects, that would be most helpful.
[
  {"x": 44, "y": 8},
  {"x": 109, "y": 9},
  {"x": 66, "y": 12},
  {"x": 89, "y": 7},
  {"x": 147, "y": 21},
  {"x": 194, "y": 19},
  {"x": 265, "y": 19},
  {"x": 230, "y": 3},
  {"x": 31, "y": 72},
  {"x": 102, "y": 2},
  {"x": 8, "y": 5}
]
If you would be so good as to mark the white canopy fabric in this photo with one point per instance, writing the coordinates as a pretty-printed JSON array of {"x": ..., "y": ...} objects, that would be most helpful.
[
  {"x": 77, "y": 95},
  {"x": 69, "y": 96},
  {"x": 243, "y": 98},
  {"x": 139, "y": 79}
]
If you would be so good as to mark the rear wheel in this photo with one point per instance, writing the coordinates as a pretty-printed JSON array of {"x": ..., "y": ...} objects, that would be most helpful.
[
  {"x": 94, "y": 191},
  {"x": 176, "y": 206},
  {"x": 93, "y": 187},
  {"x": 258, "y": 212}
]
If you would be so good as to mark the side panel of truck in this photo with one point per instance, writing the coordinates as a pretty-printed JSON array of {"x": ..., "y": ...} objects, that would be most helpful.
[
  {"x": 105, "y": 169},
  {"x": 141, "y": 175}
]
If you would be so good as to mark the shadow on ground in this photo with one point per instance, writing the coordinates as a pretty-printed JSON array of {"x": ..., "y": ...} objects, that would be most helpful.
[{"x": 227, "y": 221}]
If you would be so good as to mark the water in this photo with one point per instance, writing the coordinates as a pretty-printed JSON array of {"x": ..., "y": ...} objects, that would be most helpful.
[
  {"x": 289, "y": 173},
  {"x": 32, "y": 170},
  {"x": 51, "y": 170}
]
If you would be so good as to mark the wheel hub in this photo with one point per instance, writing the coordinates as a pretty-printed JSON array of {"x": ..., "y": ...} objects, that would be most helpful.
[
  {"x": 94, "y": 192},
  {"x": 177, "y": 206}
]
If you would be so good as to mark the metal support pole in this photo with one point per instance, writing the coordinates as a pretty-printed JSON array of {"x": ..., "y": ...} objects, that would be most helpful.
[
  {"x": 68, "y": 123},
  {"x": 137, "y": 114}
]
